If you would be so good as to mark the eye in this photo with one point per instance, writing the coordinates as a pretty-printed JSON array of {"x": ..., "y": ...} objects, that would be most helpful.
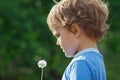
[{"x": 57, "y": 35}]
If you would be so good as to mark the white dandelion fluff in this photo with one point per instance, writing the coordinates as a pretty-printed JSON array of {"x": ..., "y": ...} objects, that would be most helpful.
[{"x": 42, "y": 64}]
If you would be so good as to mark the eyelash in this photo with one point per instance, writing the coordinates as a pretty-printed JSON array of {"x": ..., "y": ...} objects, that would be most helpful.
[{"x": 57, "y": 36}]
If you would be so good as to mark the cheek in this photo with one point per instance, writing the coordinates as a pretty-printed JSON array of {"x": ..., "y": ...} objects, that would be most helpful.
[{"x": 70, "y": 46}]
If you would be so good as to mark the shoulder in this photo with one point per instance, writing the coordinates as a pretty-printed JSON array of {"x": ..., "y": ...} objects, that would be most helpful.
[
  {"x": 79, "y": 63},
  {"x": 80, "y": 69},
  {"x": 87, "y": 60}
]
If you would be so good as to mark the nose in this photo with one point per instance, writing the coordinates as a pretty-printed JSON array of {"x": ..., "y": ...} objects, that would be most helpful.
[{"x": 57, "y": 43}]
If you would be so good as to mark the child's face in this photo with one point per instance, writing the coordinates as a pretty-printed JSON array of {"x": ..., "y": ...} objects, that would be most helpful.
[{"x": 66, "y": 40}]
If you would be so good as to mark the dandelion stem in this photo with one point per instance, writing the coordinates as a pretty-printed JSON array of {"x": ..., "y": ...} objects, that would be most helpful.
[{"x": 42, "y": 74}]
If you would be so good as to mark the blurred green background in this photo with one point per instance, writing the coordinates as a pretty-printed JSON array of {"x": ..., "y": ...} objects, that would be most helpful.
[{"x": 25, "y": 39}]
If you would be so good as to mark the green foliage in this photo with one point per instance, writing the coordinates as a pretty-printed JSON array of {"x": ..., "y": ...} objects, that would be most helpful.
[
  {"x": 25, "y": 39},
  {"x": 111, "y": 44}
]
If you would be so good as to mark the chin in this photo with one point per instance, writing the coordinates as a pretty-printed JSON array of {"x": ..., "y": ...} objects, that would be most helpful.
[
  {"x": 69, "y": 55},
  {"x": 70, "y": 52}
]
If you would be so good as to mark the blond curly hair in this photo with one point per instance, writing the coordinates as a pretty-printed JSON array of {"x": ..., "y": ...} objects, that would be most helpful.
[{"x": 90, "y": 15}]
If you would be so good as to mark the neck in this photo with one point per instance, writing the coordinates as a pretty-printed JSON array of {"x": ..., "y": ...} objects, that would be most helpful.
[{"x": 86, "y": 43}]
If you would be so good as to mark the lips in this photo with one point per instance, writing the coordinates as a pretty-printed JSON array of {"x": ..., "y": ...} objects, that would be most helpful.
[{"x": 62, "y": 49}]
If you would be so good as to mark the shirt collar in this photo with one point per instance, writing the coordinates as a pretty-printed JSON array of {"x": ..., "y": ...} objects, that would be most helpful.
[{"x": 86, "y": 50}]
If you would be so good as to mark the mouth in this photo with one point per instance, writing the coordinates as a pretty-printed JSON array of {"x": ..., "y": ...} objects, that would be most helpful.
[{"x": 62, "y": 49}]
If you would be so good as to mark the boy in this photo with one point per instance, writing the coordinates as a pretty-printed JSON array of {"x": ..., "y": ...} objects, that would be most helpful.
[{"x": 78, "y": 25}]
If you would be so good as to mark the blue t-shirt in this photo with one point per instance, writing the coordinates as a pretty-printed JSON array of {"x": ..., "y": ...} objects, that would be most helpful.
[{"x": 86, "y": 65}]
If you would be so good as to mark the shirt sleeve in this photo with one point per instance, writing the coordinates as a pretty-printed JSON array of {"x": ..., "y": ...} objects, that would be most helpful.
[{"x": 80, "y": 70}]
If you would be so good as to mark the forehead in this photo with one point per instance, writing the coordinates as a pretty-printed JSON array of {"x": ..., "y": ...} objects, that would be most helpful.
[{"x": 55, "y": 29}]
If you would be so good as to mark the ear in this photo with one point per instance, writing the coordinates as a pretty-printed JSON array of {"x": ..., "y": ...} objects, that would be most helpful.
[{"x": 75, "y": 29}]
